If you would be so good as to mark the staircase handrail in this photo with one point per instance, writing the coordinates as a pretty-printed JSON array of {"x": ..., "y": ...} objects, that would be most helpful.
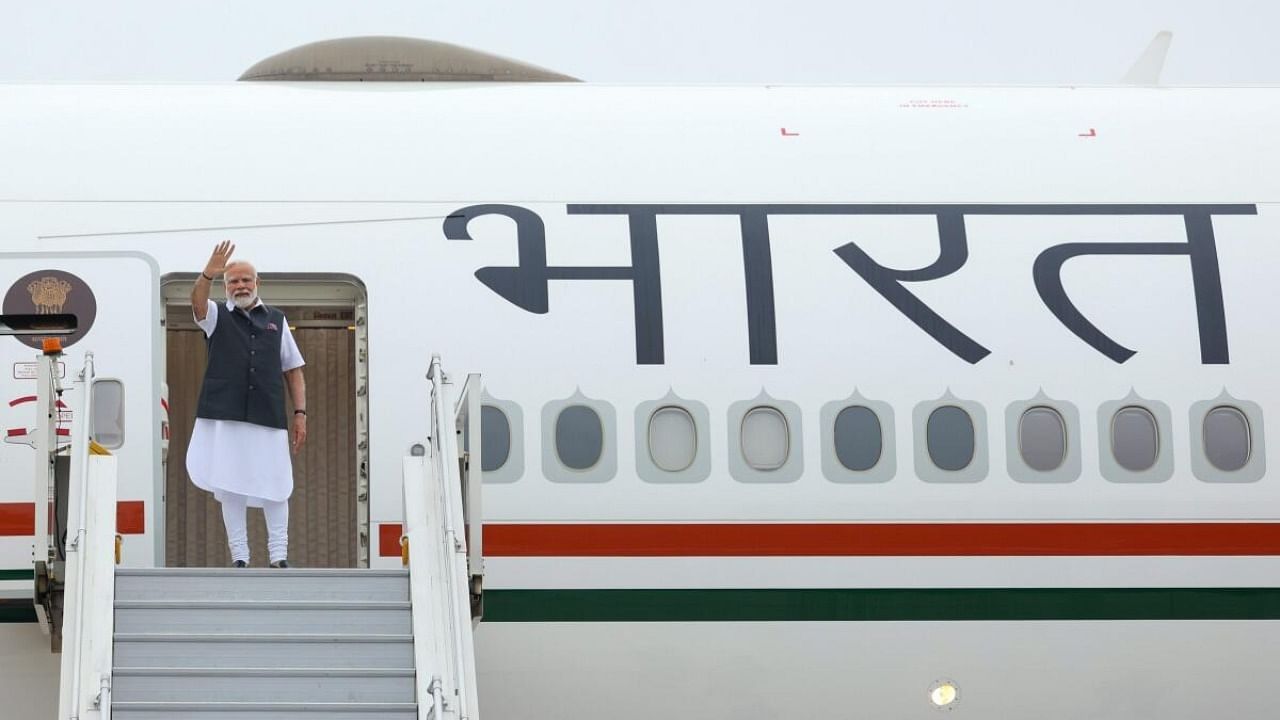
[
  {"x": 434, "y": 522},
  {"x": 445, "y": 445},
  {"x": 88, "y": 621}
]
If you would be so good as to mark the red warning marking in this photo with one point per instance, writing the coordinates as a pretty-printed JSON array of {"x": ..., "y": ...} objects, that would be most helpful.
[
  {"x": 20, "y": 432},
  {"x": 164, "y": 404},
  {"x": 389, "y": 539},
  {"x": 785, "y": 133},
  {"x": 30, "y": 398},
  {"x": 131, "y": 517},
  {"x": 1092, "y": 133}
]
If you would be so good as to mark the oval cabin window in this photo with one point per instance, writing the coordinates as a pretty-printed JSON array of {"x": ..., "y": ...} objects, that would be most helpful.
[
  {"x": 1042, "y": 439},
  {"x": 673, "y": 439},
  {"x": 765, "y": 438},
  {"x": 495, "y": 434},
  {"x": 579, "y": 437},
  {"x": 1226, "y": 439},
  {"x": 858, "y": 438},
  {"x": 950, "y": 438},
  {"x": 1135, "y": 439}
]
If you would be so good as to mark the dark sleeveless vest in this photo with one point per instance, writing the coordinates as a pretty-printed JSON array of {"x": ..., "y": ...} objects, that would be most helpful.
[{"x": 244, "y": 380}]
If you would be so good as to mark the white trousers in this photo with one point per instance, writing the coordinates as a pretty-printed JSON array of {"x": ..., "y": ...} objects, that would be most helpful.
[{"x": 235, "y": 511}]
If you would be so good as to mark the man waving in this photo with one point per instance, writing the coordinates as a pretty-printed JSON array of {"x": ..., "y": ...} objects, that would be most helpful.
[{"x": 240, "y": 444}]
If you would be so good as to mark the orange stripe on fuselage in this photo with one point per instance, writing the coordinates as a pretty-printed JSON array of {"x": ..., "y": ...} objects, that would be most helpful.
[
  {"x": 19, "y": 519},
  {"x": 881, "y": 539}
]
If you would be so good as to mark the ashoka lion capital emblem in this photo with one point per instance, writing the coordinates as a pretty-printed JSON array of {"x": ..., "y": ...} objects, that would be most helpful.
[
  {"x": 49, "y": 294},
  {"x": 50, "y": 291}
]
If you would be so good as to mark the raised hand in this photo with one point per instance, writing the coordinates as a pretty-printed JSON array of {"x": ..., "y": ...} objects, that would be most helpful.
[{"x": 218, "y": 260}]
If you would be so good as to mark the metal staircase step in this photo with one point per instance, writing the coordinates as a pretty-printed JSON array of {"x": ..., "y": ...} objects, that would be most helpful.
[
  {"x": 263, "y": 685},
  {"x": 262, "y": 711},
  {"x": 182, "y": 650},
  {"x": 278, "y": 617},
  {"x": 264, "y": 584}
]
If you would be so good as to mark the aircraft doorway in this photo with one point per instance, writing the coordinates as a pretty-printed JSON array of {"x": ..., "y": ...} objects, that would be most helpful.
[{"x": 328, "y": 512}]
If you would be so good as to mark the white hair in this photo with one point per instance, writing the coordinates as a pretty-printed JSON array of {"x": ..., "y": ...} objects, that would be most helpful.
[{"x": 234, "y": 263}]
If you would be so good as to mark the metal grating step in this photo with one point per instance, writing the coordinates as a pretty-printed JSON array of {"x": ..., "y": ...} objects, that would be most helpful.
[
  {"x": 229, "y": 651},
  {"x": 263, "y": 685},
  {"x": 273, "y": 616},
  {"x": 230, "y": 584},
  {"x": 262, "y": 711}
]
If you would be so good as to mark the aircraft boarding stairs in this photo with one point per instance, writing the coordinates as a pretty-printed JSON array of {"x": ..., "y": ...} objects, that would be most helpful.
[
  {"x": 262, "y": 643},
  {"x": 234, "y": 644}
]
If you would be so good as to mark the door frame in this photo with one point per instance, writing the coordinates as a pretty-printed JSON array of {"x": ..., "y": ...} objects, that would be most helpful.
[{"x": 305, "y": 290}]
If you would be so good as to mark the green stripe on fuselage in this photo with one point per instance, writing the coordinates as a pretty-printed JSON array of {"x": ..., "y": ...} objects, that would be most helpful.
[
  {"x": 782, "y": 605},
  {"x": 20, "y": 611},
  {"x": 17, "y": 610}
]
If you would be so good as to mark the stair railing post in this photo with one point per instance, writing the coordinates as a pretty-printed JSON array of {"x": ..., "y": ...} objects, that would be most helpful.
[
  {"x": 468, "y": 417},
  {"x": 44, "y": 552}
]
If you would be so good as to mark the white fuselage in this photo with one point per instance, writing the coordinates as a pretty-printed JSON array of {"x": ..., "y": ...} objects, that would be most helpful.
[{"x": 722, "y": 250}]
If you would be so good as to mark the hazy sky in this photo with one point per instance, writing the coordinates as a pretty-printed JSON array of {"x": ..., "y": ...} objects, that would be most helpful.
[{"x": 666, "y": 41}]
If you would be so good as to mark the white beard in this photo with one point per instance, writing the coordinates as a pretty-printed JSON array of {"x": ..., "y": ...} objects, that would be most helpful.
[{"x": 244, "y": 302}]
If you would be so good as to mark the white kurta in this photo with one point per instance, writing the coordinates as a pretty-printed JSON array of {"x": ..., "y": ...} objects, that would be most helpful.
[{"x": 238, "y": 457}]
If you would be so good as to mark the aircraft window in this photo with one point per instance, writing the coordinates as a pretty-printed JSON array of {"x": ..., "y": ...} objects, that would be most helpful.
[
  {"x": 950, "y": 438},
  {"x": 108, "y": 413},
  {"x": 1226, "y": 438},
  {"x": 579, "y": 437},
  {"x": 495, "y": 434},
  {"x": 766, "y": 441},
  {"x": 858, "y": 438},
  {"x": 673, "y": 438},
  {"x": 1042, "y": 439},
  {"x": 1135, "y": 438}
]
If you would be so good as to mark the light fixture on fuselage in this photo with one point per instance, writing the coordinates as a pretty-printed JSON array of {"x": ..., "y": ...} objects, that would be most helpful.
[{"x": 944, "y": 694}]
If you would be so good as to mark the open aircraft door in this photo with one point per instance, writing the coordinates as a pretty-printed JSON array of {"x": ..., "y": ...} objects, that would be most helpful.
[{"x": 107, "y": 304}]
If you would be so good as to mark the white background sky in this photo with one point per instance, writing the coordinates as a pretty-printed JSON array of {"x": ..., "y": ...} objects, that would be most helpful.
[{"x": 666, "y": 41}]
